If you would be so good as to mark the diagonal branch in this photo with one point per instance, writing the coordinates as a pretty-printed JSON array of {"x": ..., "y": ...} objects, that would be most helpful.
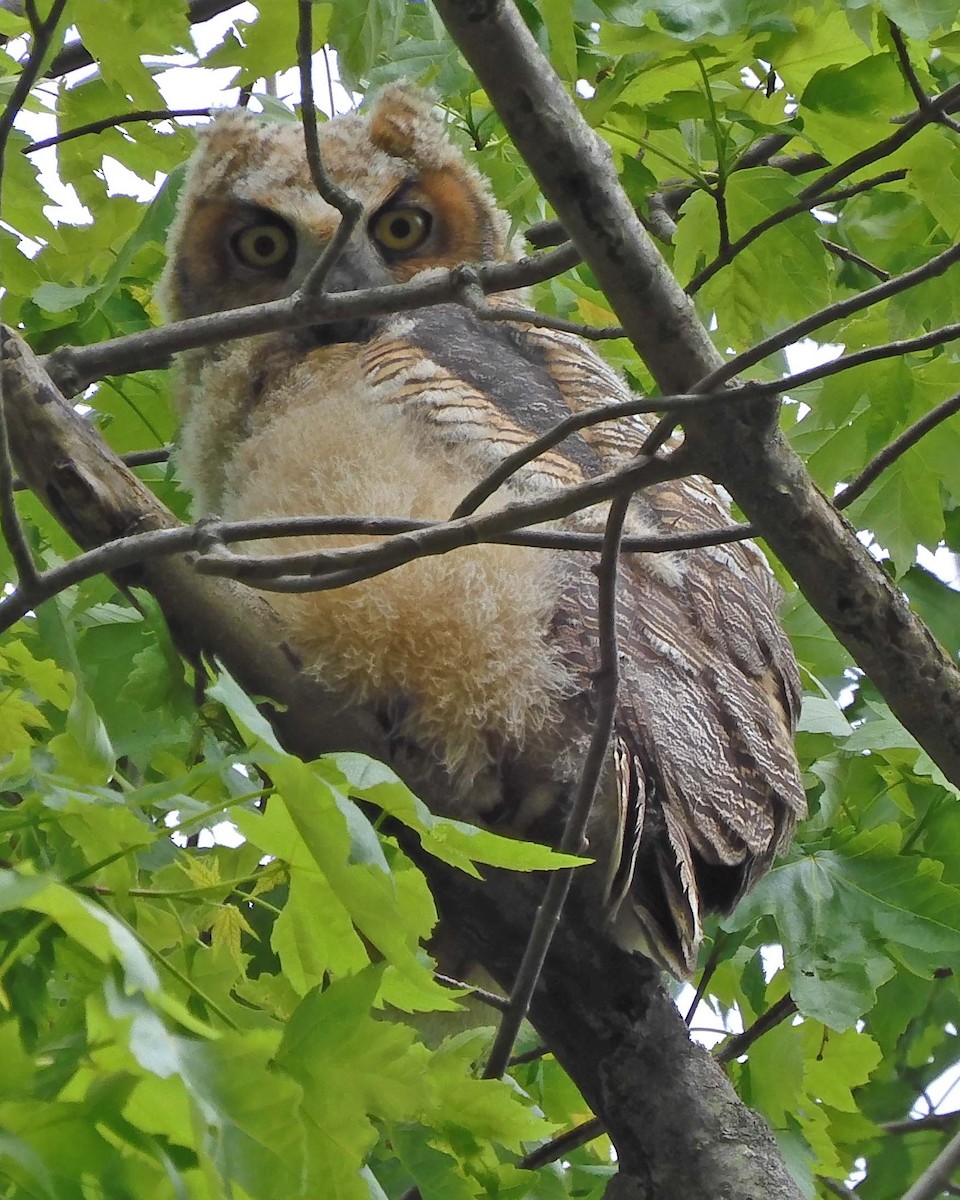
[
  {"x": 730, "y": 250},
  {"x": 130, "y": 118},
  {"x": 43, "y": 32},
  {"x": 939, "y": 1174},
  {"x": 900, "y": 445}
]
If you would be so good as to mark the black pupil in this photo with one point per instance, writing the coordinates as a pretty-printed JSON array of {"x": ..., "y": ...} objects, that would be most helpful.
[
  {"x": 401, "y": 228},
  {"x": 264, "y": 245}
]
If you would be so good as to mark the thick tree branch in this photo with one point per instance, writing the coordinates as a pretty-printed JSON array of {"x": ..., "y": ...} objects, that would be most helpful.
[
  {"x": 43, "y": 32},
  {"x": 744, "y": 451},
  {"x": 677, "y": 1125}
]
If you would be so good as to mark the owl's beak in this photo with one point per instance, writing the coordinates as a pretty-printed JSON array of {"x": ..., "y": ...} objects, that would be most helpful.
[{"x": 358, "y": 267}]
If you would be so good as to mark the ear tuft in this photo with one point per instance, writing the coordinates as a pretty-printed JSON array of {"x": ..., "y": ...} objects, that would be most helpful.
[{"x": 403, "y": 124}]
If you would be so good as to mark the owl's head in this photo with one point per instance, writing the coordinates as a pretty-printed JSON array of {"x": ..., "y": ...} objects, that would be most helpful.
[{"x": 251, "y": 224}]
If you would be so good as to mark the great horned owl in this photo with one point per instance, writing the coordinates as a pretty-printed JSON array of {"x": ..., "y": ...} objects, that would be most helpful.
[{"x": 482, "y": 657}]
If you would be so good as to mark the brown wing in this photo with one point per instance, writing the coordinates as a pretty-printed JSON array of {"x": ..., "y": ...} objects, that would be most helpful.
[
  {"x": 704, "y": 788},
  {"x": 707, "y": 782}
]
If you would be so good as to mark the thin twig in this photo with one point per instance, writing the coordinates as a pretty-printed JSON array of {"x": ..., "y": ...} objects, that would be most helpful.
[
  {"x": 339, "y": 567},
  {"x": 900, "y": 445},
  {"x": 312, "y": 570},
  {"x": 775, "y": 1014},
  {"x": 937, "y": 1176},
  {"x": 151, "y": 114},
  {"x": 349, "y": 207},
  {"x": 500, "y": 1003},
  {"x": 606, "y": 683},
  {"x": 906, "y": 66},
  {"x": 913, "y": 81},
  {"x": 569, "y": 425},
  {"x": 529, "y": 1056},
  {"x": 472, "y": 296},
  {"x": 564, "y": 1143},
  {"x": 886, "y": 146},
  {"x": 825, "y": 316},
  {"x": 858, "y": 260},
  {"x": 136, "y": 458},
  {"x": 329, "y": 72},
  {"x": 705, "y": 976},
  {"x": 10, "y": 526},
  {"x": 932, "y": 1121},
  {"x": 802, "y": 205}
]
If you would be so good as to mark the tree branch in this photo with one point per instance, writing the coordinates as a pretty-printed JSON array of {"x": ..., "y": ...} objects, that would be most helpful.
[
  {"x": 775, "y": 1015},
  {"x": 43, "y": 32},
  {"x": 348, "y": 206},
  {"x": 325, "y": 569},
  {"x": 858, "y": 260},
  {"x": 900, "y": 445},
  {"x": 930, "y": 114},
  {"x": 910, "y": 75},
  {"x": 938, "y": 1175},
  {"x": 730, "y": 250},
  {"x": 151, "y": 114},
  {"x": 73, "y": 368}
]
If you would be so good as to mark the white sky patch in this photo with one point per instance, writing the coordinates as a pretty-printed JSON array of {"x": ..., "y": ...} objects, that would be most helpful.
[
  {"x": 224, "y": 833},
  {"x": 941, "y": 1096},
  {"x": 707, "y": 1026},
  {"x": 772, "y": 958},
  {"x": 943, "y": 563},
  {"x": 807, "y": 353}
]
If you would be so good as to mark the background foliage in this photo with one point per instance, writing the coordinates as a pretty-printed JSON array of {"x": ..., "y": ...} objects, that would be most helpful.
[{"x": 184, "y": 1016}]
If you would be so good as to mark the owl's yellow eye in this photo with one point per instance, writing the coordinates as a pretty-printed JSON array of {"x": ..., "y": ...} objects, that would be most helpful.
[
  {"x": 400, "y": 230},
  {"x": 263, "y": 246}
]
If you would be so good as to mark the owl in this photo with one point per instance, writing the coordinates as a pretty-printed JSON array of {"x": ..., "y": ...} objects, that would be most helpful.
[{"x": 480, "y": 661}]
